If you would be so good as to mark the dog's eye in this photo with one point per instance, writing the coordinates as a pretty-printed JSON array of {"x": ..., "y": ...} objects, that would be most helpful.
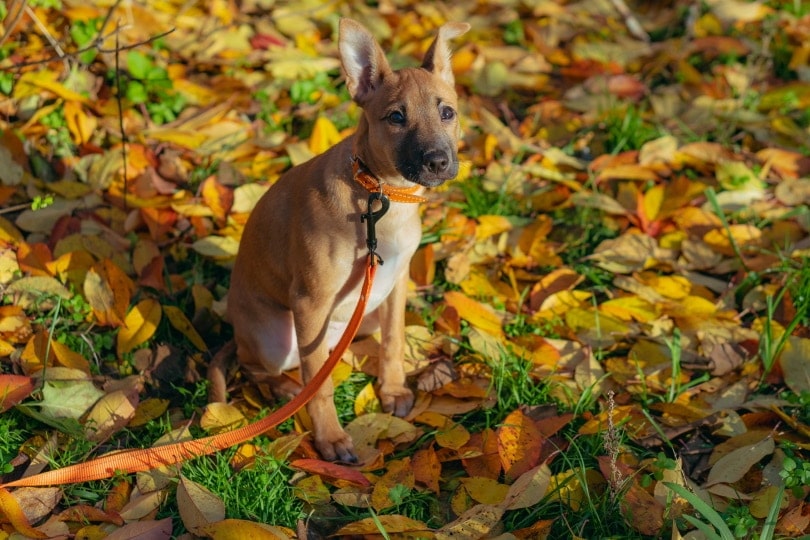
[
  {"x": 447, "y": 113},
  {"x": 396, "y": 117}
]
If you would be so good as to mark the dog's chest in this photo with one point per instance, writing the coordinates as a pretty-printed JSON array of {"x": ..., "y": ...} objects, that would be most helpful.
[{"x": 398, "y": 236}]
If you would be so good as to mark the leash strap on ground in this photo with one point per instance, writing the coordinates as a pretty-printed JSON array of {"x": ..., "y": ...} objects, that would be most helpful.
[{"x": 133, "y": 461}]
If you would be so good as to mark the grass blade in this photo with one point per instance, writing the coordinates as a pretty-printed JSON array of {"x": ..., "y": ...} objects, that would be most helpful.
[
  {"x": 706, "y": 511},
  {"x": 769, "y": 528}
]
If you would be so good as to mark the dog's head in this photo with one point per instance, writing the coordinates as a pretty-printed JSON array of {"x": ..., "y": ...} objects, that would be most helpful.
[{"x": 410, "y": 125}]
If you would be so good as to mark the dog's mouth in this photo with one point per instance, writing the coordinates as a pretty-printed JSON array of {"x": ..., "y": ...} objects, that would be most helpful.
[{"x": 430, "y": 172}]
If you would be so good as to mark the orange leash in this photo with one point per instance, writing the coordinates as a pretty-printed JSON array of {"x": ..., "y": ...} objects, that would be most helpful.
[{"x": 132, "y": 461}]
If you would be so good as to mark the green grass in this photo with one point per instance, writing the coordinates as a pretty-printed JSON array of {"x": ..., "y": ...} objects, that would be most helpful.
[
  {"x": 626, "y": 128},
  {"x": 346, "y": 393},
  {"x": 12, "y": 435},
  {"x": 260, "y": 493},
  {"x": 479, "y": 201},
  {"x": 513, "y": 386}
]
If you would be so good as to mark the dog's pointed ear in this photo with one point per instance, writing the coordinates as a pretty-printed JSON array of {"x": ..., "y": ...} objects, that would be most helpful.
[
  {"x": 363, "y": 60},
  {"x": 437, "y": 58}
]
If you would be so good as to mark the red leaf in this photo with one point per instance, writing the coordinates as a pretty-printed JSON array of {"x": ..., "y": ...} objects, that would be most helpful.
[
  {"x": 13, "y": 389},
  {"x": 331, "y": 471}
]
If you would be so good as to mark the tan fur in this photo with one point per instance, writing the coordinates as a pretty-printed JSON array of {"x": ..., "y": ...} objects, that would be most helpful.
[{"x": 300, "y": 265}]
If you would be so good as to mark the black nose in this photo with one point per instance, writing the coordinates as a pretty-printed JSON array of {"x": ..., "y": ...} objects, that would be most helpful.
[{"x": 436, "y": 161}]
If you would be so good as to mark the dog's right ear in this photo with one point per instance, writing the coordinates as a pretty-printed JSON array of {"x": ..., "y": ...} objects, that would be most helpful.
[{"x": 363, "y": 60}]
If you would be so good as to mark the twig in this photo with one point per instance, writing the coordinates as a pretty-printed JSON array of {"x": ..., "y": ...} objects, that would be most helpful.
[
  {"x": 94, "y": 46},
  {"x": 42, "y": 28},
  {"x": 124, "y": 139},
  {"x": 630, "y": 21},
  {"x": 12, "y": 209},
  {"x": 11, "y": 22}
]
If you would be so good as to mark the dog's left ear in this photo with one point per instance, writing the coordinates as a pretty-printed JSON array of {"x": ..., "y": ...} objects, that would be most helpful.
[
  {"x": 363, "y": 60},
  {"x": 437, "y": 59}
]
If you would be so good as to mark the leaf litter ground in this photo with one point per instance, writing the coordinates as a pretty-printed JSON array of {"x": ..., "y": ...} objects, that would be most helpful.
[{"x": 610, "y": 304}]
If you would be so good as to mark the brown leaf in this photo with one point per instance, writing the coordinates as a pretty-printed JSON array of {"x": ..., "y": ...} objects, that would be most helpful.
[
  {"x": 427, "y": 469},
  {"x": 143, "y": 530},
  {"x": 198, "y": 506}
]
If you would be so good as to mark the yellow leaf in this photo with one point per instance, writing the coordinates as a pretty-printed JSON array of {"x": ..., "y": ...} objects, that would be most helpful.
[
  {"x": 736, "y": 175},
  {"x": 519, "y": 444},
  {"x": 324, "y": 136},
  {"x": 33, "y": 82},
  {"x": 477, "y": 314},
  {"x": 477, "y": 283},
  {"x": 80, "y": 124},
  {"x": 341, "y": 372},
  {"x": 696, "y": 306},
  {"x": 140, "y": 324},
  {"x": 147, "y": 410},
  {"x": 392, "y": 523},
  {"x": 452, "y": 436},
  {"x": 661, "y": 150},
  {"x": 366, "y": 401},
  {"x": 108, "y": 291},
  {"x": 630, "y": 308},
  {"x": 627, "y": 171},
  {"x": 558, "y": 303},
  {"x": 743, "y": 236},
  {"x": 485, "y": 490},
  {"x": 674, "y": 287},
  {"x": 567, "y": 487},
  {"x": 490, "y": 226},
  {"x": 579, "y": 318},
  {"x": 181, "y": 137},
  {"x": 653, "y": 199},
  {"x": 238, "y": 529},
  {"x": 217, "y": 247},
  {"x": 181, "y": 323},
  {"x": 69, "y": 358},
  {"x": 219, "y": 417},
  {"x": 108, "y": 415}
]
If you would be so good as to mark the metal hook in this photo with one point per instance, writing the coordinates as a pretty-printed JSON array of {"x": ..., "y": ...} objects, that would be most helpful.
[{"x": 370, "y": 218}]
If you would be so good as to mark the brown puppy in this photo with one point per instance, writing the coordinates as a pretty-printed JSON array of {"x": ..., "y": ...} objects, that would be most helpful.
[{"x": 301, "y": 259}]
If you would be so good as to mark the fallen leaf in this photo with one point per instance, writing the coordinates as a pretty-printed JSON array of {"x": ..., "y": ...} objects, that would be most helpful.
[
  {"x": 108, "y": 415},
  {"x": 737, "y": 463},
  {"x": 13, "y": 389},
  {"x": 198, "y": 506},
  {"x": 519, "y": 444},
  {"x": 140, "y": 324}
]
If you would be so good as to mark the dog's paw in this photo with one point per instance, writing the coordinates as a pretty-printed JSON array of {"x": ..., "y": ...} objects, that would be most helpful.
[
  {"x": 398, "y": 401},
  {"x": 283, "y": 387},
  {"x": 337, "y": 448}
]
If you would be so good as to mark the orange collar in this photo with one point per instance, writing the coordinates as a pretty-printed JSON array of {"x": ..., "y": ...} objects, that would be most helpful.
[{"x": 397, "y": 194}]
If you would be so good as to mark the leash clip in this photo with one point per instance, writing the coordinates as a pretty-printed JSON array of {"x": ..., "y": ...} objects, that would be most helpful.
[{"x": 370, "y": 218}]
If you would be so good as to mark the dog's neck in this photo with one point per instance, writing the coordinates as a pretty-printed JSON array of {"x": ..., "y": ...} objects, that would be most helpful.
[{"x": 364, "y": 177}]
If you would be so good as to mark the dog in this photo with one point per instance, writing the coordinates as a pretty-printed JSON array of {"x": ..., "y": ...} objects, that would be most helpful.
[{"x": 302, "y": 256}]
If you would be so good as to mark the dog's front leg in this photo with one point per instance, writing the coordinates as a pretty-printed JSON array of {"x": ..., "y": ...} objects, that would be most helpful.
[
  {"x": 395, "y": 396},
  {"x": 311, "y": 320}
]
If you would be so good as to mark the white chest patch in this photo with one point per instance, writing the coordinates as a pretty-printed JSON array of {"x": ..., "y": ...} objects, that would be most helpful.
[{"x": 396, "y": 250}]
